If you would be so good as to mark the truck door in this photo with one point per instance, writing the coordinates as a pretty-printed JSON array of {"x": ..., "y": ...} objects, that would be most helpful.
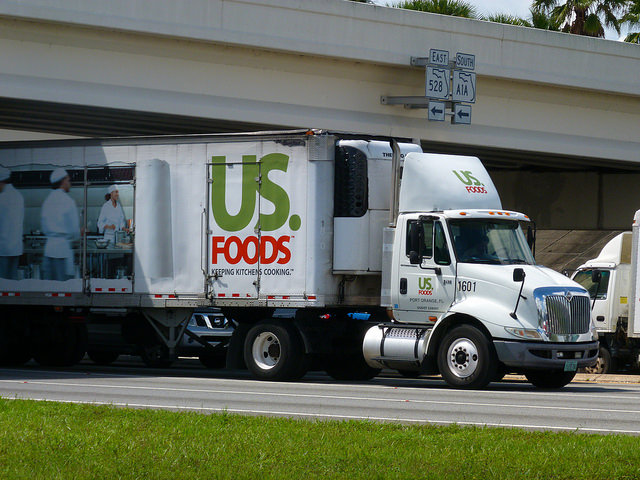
[
  {"x": 233, "y": 224},
  {"x": 108, "y": 243},
  {"x": 600, "y": 298},
  {"x": 426, "y": 273}
]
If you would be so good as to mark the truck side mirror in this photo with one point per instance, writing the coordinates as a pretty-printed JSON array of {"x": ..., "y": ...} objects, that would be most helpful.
[
  {"x": 518, "y": 275},
  {"x": 414, "y": 258},
  {"x": 596, "y": 276}
]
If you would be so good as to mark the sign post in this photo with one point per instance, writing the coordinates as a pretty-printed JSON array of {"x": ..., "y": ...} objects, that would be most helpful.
[{"x": 448, "y": 85}]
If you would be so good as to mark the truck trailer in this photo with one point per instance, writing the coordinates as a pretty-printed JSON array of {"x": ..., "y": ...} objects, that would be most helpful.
[
  {"x": 611, "y": 280},
  {"x": 383, "y": 257}
]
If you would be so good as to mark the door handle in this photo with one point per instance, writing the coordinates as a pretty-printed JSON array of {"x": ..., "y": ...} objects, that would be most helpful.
[
  {"x": 600, "y": 318},
  {"x": 403, "y": 286}
]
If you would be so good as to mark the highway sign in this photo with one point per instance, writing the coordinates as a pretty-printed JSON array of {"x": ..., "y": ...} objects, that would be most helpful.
[
  {"x": 437, "y": 84},
  {"x": 436, "y": 111},
  {"x": 465, "y": 60},
  {"x": 461, "y": 114},
  {"x": 464, "y": 86},
  {"x": 439, "y": 57}
]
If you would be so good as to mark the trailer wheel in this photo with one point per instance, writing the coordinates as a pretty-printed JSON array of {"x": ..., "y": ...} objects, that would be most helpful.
[
  {"x": 66, "y": 347},
  {"x": 103, "y": 357},
  {"x": 605, "y": 364},
  {"x": 14, "y": 345},
  {"x": 465, "y": 358},
  {"x": 156, "y": 356},
  {"x": 553, "y": 379},
  {"x": 274, "y": 351}
]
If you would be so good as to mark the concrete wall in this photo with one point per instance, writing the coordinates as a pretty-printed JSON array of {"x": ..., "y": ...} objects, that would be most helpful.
[{"x": 323, "y": 64}]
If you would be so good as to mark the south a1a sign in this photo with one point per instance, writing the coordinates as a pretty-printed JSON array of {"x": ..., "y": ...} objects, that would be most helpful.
[{"x": 464, "y": 86}]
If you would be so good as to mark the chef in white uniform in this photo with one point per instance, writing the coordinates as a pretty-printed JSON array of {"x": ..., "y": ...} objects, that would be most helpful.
[
  {"x": 111, "y": 218},
  {"x": 61, "y": 225},
  {"x": 11, "y": 224}
]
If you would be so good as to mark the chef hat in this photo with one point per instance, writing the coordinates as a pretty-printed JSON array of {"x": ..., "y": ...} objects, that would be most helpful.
[
  {"x": 112, "y": 188},
  {"x": 57, "y": 175},
  {"x": 5, "y": 174}
]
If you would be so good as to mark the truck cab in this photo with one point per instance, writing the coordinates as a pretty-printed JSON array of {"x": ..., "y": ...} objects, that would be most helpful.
[
  {"x": 467, "y": 299},
  {"x": 607, "y": 278}
]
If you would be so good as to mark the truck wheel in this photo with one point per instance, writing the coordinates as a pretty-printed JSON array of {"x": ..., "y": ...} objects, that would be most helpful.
[
  {"x": 274, "y": 351},
  {"x": 156, "y": 356},
  {"x": 66, "y": 348},
  {"x": 465, "y": 358},
  {"x": 14, "y": 345},
  {"x": 553, "y": 379},
  {"x": 103, "y": 357},
  {"x": 605, "y": 363}
]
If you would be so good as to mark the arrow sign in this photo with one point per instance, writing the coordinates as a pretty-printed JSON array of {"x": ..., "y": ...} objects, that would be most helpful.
[
  {"x": 461, "y": 114},
  {"x": 436, "y": 111}
]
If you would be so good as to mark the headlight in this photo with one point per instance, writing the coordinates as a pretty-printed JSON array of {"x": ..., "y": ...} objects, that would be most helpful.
[{"x": 528, "y": 333}]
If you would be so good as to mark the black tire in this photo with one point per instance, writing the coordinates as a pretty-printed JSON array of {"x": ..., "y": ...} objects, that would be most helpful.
[
  {"x": 550, "y": 379},
  {"x": 103, "y": 357},
  {"x": 156, "y": 356},
  {"x": 273, "y": 350},
  {"x": 466, "y": 358},
  {"x": 15, "y": 348},
  {"x": 606, "y": 364},
  {"x": 213, "y": 361},
  {"x": 67, "y": 346}
]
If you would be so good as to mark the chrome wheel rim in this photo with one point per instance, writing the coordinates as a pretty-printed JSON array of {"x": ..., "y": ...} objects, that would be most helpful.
[
  {"x": 462, "y": 358},
  {"x": 266, "y": 350}
]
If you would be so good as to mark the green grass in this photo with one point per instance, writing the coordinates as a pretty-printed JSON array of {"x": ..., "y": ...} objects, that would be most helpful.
[{"x": 53, "y": 440}]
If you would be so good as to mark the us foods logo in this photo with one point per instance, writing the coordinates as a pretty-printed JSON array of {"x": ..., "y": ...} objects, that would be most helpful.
[
  {"x": 473, "y": 185},
  {"x": 266, "y": 248},
  {"x": 424, "y": 286}
]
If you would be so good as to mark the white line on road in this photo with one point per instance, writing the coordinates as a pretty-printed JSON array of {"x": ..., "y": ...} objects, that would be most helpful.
[{"x": 327, "y": 397}]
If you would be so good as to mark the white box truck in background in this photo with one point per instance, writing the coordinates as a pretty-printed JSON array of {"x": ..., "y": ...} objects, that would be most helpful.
[
  {"x": 324, "y": 225},
  {"x": 612, "y": 282}
]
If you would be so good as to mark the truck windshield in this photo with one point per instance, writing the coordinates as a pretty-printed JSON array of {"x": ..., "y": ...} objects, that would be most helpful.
[
  {"x": 597, "y": 290},
  {"x": 490, "y": 241}
]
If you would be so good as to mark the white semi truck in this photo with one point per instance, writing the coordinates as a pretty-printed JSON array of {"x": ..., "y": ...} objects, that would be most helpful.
[
  {"x": 612, "y": 282},
  {"x": 331, "y": 227}
]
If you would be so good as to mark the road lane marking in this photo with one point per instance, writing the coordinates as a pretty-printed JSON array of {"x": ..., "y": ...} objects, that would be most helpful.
[
  {"x": 340, "y": 417},
  {"x": 326, "y": 397},
  {"x": 626, "y": 394}
]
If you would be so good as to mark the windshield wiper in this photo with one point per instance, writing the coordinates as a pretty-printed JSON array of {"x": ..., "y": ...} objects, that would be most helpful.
[
  {"x": 516, "y": 261},
  {"x": 492, "y": 261}
]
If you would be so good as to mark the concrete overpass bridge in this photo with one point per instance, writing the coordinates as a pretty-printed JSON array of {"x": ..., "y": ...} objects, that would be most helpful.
[{"x": 557, "y": 117}]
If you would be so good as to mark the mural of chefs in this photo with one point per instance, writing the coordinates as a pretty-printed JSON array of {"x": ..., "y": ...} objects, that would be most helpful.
[
  {"x": 111, "y": 218},
  {"x": 11, "y": 226},
  {"x": 61, "y": 225}
]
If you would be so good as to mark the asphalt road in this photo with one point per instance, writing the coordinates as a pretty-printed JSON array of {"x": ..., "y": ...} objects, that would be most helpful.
[{"x": 585, "y": 407}]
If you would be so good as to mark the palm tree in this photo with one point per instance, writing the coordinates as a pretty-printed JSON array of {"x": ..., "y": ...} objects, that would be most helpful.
[
  {"x": 583, "y": 17},
  {"x": 508, "y": 19},
  {"x": 456, "y": 8},
  {"x": 537, "y": 19},
  {"x": 542, "y": 20},
  {"x": 632, "y": 18}
]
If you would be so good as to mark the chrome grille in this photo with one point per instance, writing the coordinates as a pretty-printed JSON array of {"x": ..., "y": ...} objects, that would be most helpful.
[{"x": 567, "y": 316}]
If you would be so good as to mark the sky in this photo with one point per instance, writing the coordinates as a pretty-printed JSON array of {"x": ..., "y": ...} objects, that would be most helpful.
[{"x": 517, "y": 8}]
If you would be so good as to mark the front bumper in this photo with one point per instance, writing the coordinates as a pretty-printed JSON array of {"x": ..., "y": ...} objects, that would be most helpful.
[{"x": 545, "y": 356}]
